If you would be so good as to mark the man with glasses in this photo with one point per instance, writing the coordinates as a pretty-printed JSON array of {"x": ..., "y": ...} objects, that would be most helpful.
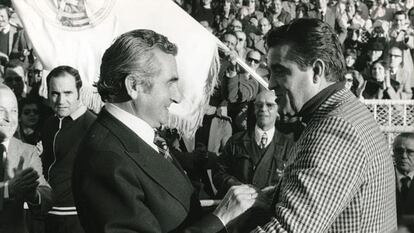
[
  {"x": 403, "y": 149},
  {"x": 241, "y": 48},
  {"x": 255, "y": 156},
  {"x": 239, "y": 89}
]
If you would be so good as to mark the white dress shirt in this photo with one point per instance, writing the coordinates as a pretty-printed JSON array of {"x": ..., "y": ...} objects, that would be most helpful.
[
  {"x": 141, "y": 128},
  {"x": 259, "y": 132}
]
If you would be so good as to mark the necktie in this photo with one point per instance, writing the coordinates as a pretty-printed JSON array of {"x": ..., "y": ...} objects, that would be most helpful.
[
  {"x": 162, "y": 147},
  {"x": 263, "y": 141},
  {"x": 405, "y": 186}
]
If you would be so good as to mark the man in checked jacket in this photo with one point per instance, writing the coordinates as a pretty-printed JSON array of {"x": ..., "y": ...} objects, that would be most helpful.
[{"x": 340, "y": 177}]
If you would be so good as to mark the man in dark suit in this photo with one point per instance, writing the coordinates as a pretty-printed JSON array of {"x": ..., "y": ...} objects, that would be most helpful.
[
  {"x": 122, "y": 181},
  {"x": 340, "y": 176},
  {"x": 403, "y": 149},
  {"x": 21, "y": 178},
  {"x": 254, "y": 156}
]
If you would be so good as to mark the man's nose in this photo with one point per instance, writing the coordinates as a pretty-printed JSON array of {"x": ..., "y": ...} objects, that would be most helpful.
[{"x": 176, "y": 95}]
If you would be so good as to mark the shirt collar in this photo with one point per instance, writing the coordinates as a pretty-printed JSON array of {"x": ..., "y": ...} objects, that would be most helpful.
[
  {"x": 400, "y": 175},
  {"x": 258, "y": 132},
  {"x": 78, "y": 112},
  {"x": 310, "y": 107},
  {"x": 141, "y": 128}
]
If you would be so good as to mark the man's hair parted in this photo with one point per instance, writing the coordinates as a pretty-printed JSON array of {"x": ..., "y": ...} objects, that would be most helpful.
[
  {"x": 131, "y": 53},
  {"x": 311, "y": 39}
]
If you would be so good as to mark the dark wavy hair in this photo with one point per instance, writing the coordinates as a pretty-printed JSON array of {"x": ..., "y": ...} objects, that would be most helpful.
[
  {"x": 311, "y": 39},
  {"x": 131, "y": 53},
  {"x": 62, "y": 70}
]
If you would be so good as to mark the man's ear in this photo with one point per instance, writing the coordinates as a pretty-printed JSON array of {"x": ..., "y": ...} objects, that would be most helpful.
[
  {"x": 132, "y": 86},
  {"x": 318, "y": 70}
]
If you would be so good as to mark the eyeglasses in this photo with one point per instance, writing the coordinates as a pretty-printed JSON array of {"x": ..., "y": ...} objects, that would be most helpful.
[
  {"x": 401, "y": 151},
  {"x": 261, "y": 105},
  {"x": 249, "y": 59}
]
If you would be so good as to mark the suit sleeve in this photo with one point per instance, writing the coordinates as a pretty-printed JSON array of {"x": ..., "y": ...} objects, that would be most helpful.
[
  {"x": 326, "y": 174},
  {"x": 110, "y": 198}
]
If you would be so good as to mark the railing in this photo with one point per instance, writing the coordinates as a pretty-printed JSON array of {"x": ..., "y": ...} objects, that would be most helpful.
[{"x": 393, "y": 116}]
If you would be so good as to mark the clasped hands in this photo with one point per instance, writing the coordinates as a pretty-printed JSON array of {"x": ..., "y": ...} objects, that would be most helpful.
[
  {"x": 24, "y": 183},
  {"x": 241, "y": 198}
]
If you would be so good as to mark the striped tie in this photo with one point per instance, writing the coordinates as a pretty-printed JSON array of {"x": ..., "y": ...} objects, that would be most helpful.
[
  {"x": 162, "y": 146},
  {"x": 263, "y": 141}
]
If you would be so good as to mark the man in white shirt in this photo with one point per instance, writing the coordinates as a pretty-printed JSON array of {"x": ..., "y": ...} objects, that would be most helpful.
[
  {"x": 21, "y": 178},
  {"x": 123, "y": 182}
]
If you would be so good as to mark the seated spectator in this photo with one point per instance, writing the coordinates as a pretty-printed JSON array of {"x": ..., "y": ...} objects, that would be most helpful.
[
  {"x": 327, "y": 14},
  {"x": 239, "y": 88},
  {"x": 241, "y": 47},
  {"x": 354, "y": 82},
  {"x": 257, "y": 41},
  {"x": 205, "y": 12},
  {"x": 302, "y": 11},
  {"x": 381, "y": 11},
  {"x": 29, "y": 121},
  {"x": 14, "y": 77},
  {"x": 280, "y": 16},
  {"x": 235, "y": 26},
  {"x": 350, "y": 58},
  {"x": 255, "y": 156},
  {"x": 401, "y": 69},
  {"x": 399, "y": 31},
  {"x": 403, "y": 149},
  {"x": 379, "y": 85},
  {"x": 374, "y": 51}
]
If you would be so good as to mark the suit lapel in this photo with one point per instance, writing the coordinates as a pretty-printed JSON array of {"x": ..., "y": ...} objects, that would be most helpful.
[{"x": 163, "y": 172}]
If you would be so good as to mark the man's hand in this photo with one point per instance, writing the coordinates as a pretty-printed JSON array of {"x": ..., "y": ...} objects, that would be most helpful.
[
  {"x": 237, "y": 200},
  {"x": 24, "y": 183}
]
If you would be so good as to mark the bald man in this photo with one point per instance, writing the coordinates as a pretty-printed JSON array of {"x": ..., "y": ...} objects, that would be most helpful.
[
  {"x": 254, "y": 156},
  {"x": 21, "y": 178}
]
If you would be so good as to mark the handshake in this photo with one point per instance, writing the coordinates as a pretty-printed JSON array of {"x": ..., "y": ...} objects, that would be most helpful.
[{"x": 240, "y": 198}]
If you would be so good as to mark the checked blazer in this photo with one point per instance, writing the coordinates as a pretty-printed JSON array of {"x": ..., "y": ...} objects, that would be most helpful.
[{"x": 341, "y": 176}]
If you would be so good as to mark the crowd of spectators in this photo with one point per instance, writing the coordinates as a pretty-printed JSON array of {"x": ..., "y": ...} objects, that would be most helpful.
[{"x": 378, "y": 45}]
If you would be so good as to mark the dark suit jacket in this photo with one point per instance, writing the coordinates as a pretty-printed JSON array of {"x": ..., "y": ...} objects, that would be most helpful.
[
  {"x": 12, "y": 214},
  {"x": 121, "y": 184},
  {"x": 237, "y": 164},
  {"x": 405, "y": 206}
]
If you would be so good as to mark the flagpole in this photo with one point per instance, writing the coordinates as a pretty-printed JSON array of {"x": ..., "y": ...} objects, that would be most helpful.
[{"x": 246, "y": 67}]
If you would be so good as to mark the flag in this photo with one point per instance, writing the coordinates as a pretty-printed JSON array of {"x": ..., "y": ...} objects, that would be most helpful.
[{"x": 77, "y": 33}]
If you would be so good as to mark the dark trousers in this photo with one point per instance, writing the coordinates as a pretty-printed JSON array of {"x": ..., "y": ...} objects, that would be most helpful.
[{"x": 63, "y": 224}]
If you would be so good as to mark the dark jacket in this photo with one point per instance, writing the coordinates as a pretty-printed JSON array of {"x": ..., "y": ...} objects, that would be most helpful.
[
  {"x": 237, "y": 164},
  {"x": 121, "y": 184},
  {"x": 60, "y": 139}
]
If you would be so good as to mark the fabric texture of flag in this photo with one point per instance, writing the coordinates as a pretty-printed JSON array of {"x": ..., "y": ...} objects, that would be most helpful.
[{"x": 77, "y": 32}]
